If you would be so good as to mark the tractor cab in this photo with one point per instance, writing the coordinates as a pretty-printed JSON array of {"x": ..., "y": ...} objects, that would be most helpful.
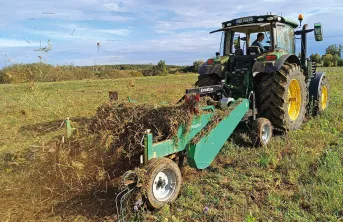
[
  {"x": 242, "y": 32},
  {"x": 238, "y": 50}
]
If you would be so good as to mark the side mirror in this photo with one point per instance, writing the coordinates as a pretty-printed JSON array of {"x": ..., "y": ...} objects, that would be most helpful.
[{"x": 318, "y": 32}]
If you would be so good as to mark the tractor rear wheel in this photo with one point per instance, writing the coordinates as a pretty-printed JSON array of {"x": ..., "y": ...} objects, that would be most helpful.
[
  {"x": 282, "y": 97},
  {"x": 208, "y": 80},
  {"x": 163, "y": 182}
]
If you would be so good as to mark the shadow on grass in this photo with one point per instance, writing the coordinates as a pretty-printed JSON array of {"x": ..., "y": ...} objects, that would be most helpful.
[
  {"x": 52, "y": 126},
  {"x": 94, "y": 206},
  {"x": 240, "y": 136}
]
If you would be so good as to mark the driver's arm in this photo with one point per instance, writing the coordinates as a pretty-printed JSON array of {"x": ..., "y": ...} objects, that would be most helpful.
[{"x": 261, "y": 47}]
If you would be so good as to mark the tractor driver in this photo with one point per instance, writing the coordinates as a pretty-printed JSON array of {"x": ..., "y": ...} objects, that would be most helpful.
[{"x": 258, "y": 42}]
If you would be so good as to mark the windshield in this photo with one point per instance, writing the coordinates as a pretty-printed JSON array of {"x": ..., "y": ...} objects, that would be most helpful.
[
  {"x": 244, "y": 37},
  {"x": 285, "y": 38}
]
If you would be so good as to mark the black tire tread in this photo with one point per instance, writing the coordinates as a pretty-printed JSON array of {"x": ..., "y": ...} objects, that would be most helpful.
[{"x": 272, "y": 94}]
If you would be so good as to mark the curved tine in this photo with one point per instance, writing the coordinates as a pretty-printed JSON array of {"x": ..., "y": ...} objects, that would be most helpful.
[
  {"x": 122, "y": 200},
  {"x": 117, "y": 199}
]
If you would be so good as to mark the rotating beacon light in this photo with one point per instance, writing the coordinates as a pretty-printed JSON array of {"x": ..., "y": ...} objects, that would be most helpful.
[{"x": 300, "y": 18}]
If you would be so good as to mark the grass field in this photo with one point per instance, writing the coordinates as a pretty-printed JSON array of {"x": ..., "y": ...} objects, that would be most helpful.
[{"x": 298, "y": 177}]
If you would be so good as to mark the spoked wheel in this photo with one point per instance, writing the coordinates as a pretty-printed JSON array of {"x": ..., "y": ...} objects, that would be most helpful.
[
  {"x": 262, "y": 131},
  {"x": 163, "y": 182}
]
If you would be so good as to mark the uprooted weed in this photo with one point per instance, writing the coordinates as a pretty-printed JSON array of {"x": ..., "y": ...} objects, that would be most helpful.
[{"x": 121, "y": 127}]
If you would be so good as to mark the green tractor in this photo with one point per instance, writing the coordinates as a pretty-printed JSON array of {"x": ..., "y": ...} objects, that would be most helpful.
[
  {"x": 266, "y": 87},
  {"x": 280, "y": 86}
]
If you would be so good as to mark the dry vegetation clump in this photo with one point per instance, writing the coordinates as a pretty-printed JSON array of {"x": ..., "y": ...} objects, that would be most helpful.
[
  {"x": 122, "y": 126},
  {"x": 107, "y": 147},
  {"x": 95, "y": 157}
]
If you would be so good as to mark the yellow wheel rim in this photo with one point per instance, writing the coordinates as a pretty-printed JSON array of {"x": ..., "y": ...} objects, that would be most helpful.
[
  {"x": 294, "y": 99},
  {"x": 324, "y": 97}
]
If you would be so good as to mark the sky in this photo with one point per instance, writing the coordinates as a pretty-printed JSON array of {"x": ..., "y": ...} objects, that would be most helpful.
[{"x": 140, "y": 31}]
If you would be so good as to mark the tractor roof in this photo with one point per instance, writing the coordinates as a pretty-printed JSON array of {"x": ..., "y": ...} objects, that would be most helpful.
[{"x": 256, "y": 20}]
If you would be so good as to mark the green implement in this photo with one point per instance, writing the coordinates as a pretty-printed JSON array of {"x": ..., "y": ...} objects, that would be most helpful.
[{"x": 199, "y": 154}]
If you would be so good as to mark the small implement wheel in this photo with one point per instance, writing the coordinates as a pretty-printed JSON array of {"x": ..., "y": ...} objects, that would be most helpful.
[
  {"x": 262, "y": 131},
  {"x": 163, "y": 182}
]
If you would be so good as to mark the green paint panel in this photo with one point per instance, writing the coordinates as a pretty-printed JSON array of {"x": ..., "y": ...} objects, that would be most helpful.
[
  {"x": 291, "y": 22},
  {"x": 221, "y": 59},
  {"x": 69, "y": 128},
  {"x": 203, "y": 153},
  {"x": 167, "y": 147}
]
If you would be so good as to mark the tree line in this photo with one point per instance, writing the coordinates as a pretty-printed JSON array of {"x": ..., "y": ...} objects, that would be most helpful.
[{"x": 331, "y": 58}]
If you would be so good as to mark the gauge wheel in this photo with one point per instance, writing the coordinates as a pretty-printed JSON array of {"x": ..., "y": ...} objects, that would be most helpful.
[
  {"x": 163, "y": 182},
  {"x": 262, "y": 131}
]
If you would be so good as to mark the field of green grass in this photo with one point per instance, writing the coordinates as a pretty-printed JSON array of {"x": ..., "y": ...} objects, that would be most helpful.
[{"x": 298, "y": 177}]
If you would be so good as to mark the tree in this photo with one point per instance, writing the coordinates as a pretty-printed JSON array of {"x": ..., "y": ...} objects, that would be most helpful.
[
  {"x": 316, "y": 58},
  {"x": 196, "y": 65},
  {"x": 334, "y": 50},
  {"x": 336, "y": 59},
  {"x": 161, "y": 68},
  {"x": 328, "y": 60}
]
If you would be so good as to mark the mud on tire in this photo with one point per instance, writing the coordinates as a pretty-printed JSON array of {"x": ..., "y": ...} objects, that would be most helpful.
[{"x": 273, "y": 99}]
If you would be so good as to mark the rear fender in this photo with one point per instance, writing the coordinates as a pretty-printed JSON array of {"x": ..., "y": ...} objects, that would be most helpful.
[
  {"x": 206, "y": 69},
  {"x": 273, "y": 66}
]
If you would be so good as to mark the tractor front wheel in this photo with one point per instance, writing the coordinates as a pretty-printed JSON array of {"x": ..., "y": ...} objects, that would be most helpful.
[
  {"x": 163, "y": 182},
  {"x": 323, "y": 97}
]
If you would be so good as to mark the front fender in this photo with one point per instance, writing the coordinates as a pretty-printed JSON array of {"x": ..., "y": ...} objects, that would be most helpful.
[
  {"x": 315, "y": 86},
  {"x": 273, "y": 66}
]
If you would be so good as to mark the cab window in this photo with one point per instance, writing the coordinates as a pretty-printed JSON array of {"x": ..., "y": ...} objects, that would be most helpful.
[{"x": 285, "y": 38}]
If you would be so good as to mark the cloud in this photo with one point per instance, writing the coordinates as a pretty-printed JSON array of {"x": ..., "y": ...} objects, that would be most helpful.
[
  {"x": 120, "y": 32},
  {"x": 143, "y": 30},
  {"x": 73, "y": 32},
  {"x": 114, "y": 6},
  {"x": 11, "y": 43}
]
